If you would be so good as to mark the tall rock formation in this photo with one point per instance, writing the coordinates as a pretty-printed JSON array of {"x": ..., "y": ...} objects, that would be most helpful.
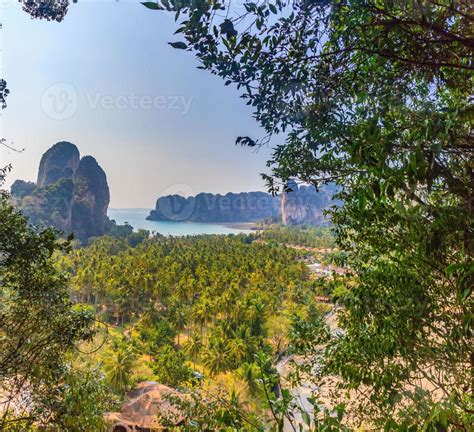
[
  {"x": 60, "y": 161},
  {"x": 71, "y": 194},
  {"x": 91, "y": 199},
  {"x": 306, "y": 205}
]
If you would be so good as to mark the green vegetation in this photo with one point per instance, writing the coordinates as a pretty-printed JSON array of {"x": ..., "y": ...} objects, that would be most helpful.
[
  {"x": 210, "y": 304},
  {"x": 48, "y": 206},
  {"x": 77, "y": 404},
  {"x": 309, "y": 236},
  {"x": 118, "y": 366},
  {"x": 39, "y": 328},
  {"x": 206, "y": 282},
  {"x": 169, "y": 367},
  {"x": 375, "y": 96}
]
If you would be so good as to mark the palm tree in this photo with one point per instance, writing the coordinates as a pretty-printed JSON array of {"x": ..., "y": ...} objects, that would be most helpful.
[
  {"x": 256, "y": 316},
  {"x": 249, "y": 373},
  {"x": 238, "y": 350},
  {"x": 193, "y": 346},
  {"x": 200, "y": 314},
  {"x": 118, "y": 368},
  {"x": 179, "y": 320},
  {"x": 216, "y": 357}
]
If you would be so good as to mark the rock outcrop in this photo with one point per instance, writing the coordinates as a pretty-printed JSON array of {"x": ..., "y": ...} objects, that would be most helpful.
[
  {"x": 21, "y": 188},
  {"x": 206, "y": 207},
  {"x": 91, "y": 199},
  {"x": 301, "y": 205},
  {"x": 305, "y": 205},
  {"x": 71, "y": 195},
  {"x": 59, "y": 162}
]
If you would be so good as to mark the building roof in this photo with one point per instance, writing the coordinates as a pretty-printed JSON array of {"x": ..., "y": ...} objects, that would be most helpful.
[{"x": 144, "y": 406}]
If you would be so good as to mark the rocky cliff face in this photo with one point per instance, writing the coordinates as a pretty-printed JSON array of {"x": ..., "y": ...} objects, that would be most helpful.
[
  {"x": 206, "y": 207},
  {"x": 91, "y": 199},
  {"x": 72, "y": 194},
  {"x": 59, "y": 162},
  {"x": 305, "y": 204},
  {"x": 301, "y": 205}
]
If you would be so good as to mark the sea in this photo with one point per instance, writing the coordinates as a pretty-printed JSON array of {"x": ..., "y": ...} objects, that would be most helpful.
[{"x": 137, "y": 218}]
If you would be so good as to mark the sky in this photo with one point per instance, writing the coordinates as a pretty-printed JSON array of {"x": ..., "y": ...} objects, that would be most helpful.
[{"x": 106, "y": 80}]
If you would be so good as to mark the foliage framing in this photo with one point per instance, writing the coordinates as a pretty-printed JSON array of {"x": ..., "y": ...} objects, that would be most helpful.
[
  {"x": 374, "y": 95},
  {"x": 38, "y": 323}
]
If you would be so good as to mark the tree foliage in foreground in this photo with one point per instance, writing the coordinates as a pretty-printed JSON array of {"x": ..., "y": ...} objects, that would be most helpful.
[
  {"x": 76, "y": 403},
  {"x": 39, "y": 324},
  {"x": 376, "y": 96}
]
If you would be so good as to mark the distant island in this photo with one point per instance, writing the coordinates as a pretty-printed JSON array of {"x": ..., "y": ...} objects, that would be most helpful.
[
  {"x": 71, "y": 193},
  {"x": 298, "y": 205}
]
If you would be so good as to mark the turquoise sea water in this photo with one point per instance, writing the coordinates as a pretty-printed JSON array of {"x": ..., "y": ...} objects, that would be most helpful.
[{"x": 136, "y": 218}]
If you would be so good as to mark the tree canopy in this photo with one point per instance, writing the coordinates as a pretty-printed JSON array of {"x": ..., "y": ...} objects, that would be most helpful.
[
  {"x": 39, "y": 324},
  {"x": 375, "y": 96}
]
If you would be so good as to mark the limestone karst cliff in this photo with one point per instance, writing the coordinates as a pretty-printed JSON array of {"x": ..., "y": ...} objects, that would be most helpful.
[
  {"x": 91, "y": 199},
  {"x": 59, "y": 162},
  {"x": 206, "y": 207},
  {"x": 71, "y": 194},
  {"x": 301, "y": 205},
  {"x": 305, "y": 205}
]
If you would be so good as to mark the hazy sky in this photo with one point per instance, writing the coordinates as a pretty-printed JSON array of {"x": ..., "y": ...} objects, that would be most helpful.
[{"x": 106, "y": 80}]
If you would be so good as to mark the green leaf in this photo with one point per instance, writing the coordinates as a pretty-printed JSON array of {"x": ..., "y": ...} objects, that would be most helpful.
[
  {"x": 178, "y": 45},
  {"x": 306, "y": 418},
  {"x": 362, "y": 201},
  {"x": 227, "y": 28},
  {"x": 152, "y": 5}
]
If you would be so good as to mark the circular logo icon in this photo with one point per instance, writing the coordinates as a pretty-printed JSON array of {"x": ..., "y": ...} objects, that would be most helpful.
[
  {"x": 59, "y": 101},
  {"x": 176, "y": 203},
  {"x": 11, "y": 4}
]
